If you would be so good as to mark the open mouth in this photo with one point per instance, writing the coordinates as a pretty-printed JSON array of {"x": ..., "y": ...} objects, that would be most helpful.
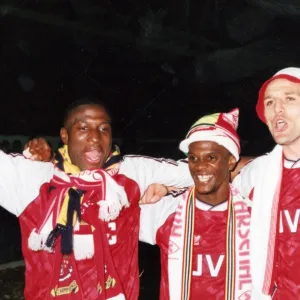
[
  {"x": 93, "y": 156},
  {"x": 280, "y": 125},
  {"x": 204, "y": 178}
]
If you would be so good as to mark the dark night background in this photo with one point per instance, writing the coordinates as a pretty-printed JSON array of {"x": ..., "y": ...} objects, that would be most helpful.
[{"x": 159, "y": 65}]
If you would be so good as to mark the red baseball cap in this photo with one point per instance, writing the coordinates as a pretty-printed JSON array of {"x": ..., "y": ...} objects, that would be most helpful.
[{"x": 291, "y": 74}]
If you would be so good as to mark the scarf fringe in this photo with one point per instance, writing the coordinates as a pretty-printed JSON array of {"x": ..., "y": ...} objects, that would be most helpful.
[
  {"x": 37, "y": 241},
  {"x": 83, "y": 244},
  {"x": 109, "y": 211}
]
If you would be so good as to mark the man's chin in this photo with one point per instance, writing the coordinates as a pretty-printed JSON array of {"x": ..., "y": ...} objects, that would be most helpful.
[
  {"x": 280, "y": 140},
  {"x": 203, "y": 190},
  {"x": 90, "y": 167}
]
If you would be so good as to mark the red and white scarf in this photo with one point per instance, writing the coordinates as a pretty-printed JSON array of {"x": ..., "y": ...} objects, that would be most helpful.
[
  {"x": 76, "y": 218},
  {"x": 238, "y": 282}
]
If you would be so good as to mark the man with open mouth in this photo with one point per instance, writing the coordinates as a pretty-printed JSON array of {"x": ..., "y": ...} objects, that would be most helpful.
[
  {"x": 272, "y": 181},
  {"x": 80, "y": 226}
]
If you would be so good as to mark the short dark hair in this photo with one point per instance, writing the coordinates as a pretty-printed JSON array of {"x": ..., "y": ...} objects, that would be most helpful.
[{"x": 87, "y": 100}]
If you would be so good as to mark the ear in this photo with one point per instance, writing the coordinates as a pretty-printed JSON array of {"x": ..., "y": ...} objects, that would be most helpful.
[
  {"x": 64, "y": 135},
  {"x": 231, "y": 163}
]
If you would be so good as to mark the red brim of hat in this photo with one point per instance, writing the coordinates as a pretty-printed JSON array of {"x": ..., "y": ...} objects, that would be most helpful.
[{"x": 260, "y": 108}]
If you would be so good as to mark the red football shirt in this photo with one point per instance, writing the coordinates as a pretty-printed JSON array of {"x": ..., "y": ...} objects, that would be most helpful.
[
  {"x": 209, "y": 267},
  {"x": 287, "y": 266},
  {"x": 123, "y": 239}
]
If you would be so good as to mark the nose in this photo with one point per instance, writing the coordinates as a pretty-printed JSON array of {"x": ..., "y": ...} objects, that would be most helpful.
[
  {"x": 201, "y": 164},
  {"x": 278, "y": 107},
  {"x": 95, "y": 136}
]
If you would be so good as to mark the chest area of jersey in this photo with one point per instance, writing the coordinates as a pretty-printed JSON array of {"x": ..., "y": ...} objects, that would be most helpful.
[
  {"x": 209, "y": 243},
  {"x": 289, "y": 204}
]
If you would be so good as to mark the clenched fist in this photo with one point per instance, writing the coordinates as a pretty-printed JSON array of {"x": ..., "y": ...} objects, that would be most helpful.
[{"x": 38, "y": 149}]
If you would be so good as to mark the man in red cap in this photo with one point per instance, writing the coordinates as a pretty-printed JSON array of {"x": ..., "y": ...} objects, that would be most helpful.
[
  {"x": 203, "y": 234},
  {"x": 271, "y": 181}
]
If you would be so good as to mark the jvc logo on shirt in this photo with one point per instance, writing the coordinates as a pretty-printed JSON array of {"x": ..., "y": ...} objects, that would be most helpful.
[
  {"x": 213, "y": 269},
  {"x": 288, "y": 221}
]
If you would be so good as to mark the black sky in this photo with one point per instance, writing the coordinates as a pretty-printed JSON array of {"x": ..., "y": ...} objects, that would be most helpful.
[{"x": 159, "y": 67}]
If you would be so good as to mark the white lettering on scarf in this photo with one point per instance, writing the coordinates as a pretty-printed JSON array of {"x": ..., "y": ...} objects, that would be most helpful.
[
  {"x": 214, "y": 271},
  {"x": 177, "y": 227},
  {"x": 243, "y": 246},
  {"x": 176, "y": 232}
]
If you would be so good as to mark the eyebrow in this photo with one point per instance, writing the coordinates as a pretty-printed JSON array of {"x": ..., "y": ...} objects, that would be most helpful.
[
  {"x": 267, "y": 98},
  {"x": 285, "y": 93},
  {"x": 81, "y": 120},
  {"x": 206, "y": 153},
  {"x": 291, "y": 93},
  {"x": 77, "y": 120}
]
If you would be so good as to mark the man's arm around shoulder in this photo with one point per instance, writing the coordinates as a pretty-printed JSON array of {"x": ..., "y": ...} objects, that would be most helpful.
[{"x": 147, "y": 170}]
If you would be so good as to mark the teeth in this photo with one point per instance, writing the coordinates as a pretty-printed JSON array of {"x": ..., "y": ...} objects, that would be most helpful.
[
  {"x": 94, "y": 158},
  {"x": 280, "y": 124},
  {"x": 204, "y": 178}
]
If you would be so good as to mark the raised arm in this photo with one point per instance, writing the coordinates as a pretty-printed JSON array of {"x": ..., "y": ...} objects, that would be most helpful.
[
  {"x": 38, "y": 149},
  {"x": 20, "y": 181}
]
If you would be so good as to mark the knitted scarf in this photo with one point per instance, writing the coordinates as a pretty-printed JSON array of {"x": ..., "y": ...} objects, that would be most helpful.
[
  {"x": 73, "y": 226},
  {"x": 238, "y": 279}
]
